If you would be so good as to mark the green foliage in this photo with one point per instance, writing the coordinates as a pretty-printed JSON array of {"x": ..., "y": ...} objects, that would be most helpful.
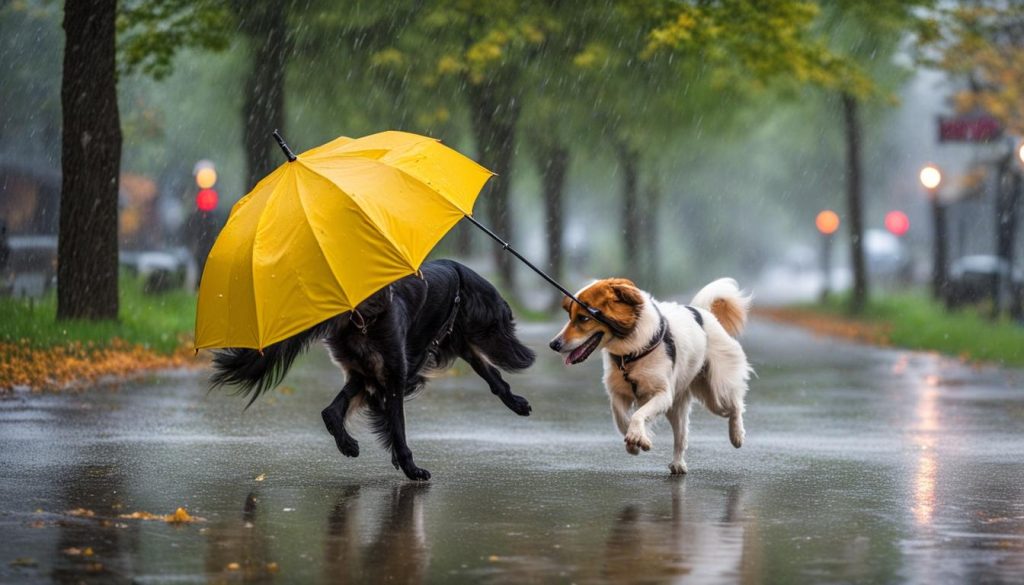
[
  {"x": 157, "y": 322},
  {"x": 868, "y": 33},
  {"x": 918, "y": 322},
  {"x": 151, "y": 32},
  {"x": 752, "y": 42}
]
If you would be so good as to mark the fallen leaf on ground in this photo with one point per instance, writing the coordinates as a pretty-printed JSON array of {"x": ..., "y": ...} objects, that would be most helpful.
[
  {"x": 74, "y": 364},
  {"x": 180, "y": 516},
  {"x": 261, "y": 477},
  {"x": 24, "y": 562}
]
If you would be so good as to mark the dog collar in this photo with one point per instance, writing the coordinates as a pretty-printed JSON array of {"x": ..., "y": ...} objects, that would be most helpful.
[{"x": 624, "y": 360}]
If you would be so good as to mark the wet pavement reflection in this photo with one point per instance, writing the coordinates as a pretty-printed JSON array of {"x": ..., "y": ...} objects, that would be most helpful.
[{"x": 861, "y": 465}]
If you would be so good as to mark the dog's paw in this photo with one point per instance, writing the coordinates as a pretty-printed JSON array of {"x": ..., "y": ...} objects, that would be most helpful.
[
  {"x": 638, "y": 440},
  {"x": 417, "y": 473},
  {"x": 348, "y": 446},
  {"x": 677, "y": 468},
  {"x": 518, "y": 405},
  {"x": 632, "y": 449}
]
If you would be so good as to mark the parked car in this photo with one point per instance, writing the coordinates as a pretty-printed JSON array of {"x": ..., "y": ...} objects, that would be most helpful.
[
  {"x": 162, "y": 270},
  {"x": 30, "y": 266},
  {"x": 886, "y": 257},
  {"x": 972, "y": 279}
]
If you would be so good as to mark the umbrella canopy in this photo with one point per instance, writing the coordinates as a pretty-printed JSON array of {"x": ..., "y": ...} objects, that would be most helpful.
[{"x": 326, "y": 230}]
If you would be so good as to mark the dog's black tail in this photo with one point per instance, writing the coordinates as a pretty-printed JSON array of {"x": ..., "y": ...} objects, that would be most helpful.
[
  {"x": 489, "y": 324},
  {"x": 254, "y": 372}
]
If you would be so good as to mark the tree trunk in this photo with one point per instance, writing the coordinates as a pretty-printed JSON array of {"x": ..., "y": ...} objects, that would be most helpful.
[
  {"x": 855, "y": 203},
  {"x": 264, "y": 23},
  {"x": 90, "y": 163},
  {"x": 629, "y": 160},
  {"x": 553, "y": 162},
  {"x": 494, "y": 117},
  {"x": 652, "y": 267}
]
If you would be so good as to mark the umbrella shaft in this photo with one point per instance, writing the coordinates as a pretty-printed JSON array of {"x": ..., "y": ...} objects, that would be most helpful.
[
  {"x": 595, "y": 313},
  {"x": 508, "y": 247}
]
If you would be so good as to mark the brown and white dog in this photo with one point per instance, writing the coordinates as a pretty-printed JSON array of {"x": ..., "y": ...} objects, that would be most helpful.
[{"x": 660, "y": 355}]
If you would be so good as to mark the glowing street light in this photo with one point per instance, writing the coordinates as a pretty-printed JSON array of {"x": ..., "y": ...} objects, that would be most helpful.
[
  {"x": 930, "y": 177},
  {"x": 827, "y": 222}
]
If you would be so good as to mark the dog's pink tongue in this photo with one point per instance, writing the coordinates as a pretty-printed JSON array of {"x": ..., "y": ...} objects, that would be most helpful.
[{"x": 575, "y": 354}]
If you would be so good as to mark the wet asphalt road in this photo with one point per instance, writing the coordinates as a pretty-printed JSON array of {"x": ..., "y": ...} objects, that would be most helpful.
[{"x": 861, "y": 465}]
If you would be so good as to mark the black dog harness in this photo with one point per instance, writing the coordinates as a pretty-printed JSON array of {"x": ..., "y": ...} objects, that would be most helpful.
[
  {"x": 664, "y": 335},
  {"x": 364, "y": 324},
  {"x": 449, "y": 323}
]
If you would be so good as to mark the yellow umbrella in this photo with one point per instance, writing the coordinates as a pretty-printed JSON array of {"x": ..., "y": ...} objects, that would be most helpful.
[{"x": 326, "y": 230}]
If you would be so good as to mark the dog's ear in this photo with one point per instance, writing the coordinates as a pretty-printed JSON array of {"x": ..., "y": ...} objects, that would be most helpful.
[
  {"x": 567, "y": 304},
  {"x": 627, "y": 292}
]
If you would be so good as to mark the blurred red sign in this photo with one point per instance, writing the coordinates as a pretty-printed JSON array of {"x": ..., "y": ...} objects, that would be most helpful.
[{"x": 975, "y": 128}]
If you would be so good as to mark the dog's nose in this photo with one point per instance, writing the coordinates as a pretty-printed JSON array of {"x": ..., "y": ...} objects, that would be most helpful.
[{"x": 556, "y": 344}]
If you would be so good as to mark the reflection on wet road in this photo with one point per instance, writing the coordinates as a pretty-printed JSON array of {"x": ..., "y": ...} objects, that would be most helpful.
[{"x": 860, "y": 465}]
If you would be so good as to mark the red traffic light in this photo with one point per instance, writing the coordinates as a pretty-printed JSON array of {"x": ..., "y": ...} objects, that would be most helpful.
[
  {"x": 897, "y": 223},
  {"x": 206, "y": 200}
]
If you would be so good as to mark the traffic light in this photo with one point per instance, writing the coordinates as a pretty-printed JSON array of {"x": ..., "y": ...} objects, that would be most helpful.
[
  {"x": 203, "y": 224},
  {"x": 206, "y": 177}
]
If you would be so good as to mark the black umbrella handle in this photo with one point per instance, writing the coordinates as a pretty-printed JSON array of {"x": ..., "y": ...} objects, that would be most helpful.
[
  {"x": 284, "y": 146},
  {"x": 594, "y": 312}
]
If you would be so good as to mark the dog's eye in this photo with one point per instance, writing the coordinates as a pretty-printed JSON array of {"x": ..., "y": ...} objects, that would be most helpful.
[{"x": 582, "y": 319}]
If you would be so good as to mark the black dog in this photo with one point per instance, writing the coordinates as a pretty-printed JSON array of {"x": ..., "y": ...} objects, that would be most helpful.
[{"x": 388, "y": 345}]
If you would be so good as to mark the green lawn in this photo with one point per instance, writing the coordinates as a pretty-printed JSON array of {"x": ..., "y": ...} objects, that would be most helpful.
[
  {"x": 158, "y": 322},
  {"x": 918, "y": 322}
]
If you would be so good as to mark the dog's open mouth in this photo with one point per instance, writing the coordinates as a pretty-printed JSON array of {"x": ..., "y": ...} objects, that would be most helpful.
[{"x": 582, "y": 352}]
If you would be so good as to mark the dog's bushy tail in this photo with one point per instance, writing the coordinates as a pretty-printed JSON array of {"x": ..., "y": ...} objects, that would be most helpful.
[
  {"x": 254, "y": 372},
  {"x": 726, "y": 302},
  {"x": 489, "y": 325}
]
